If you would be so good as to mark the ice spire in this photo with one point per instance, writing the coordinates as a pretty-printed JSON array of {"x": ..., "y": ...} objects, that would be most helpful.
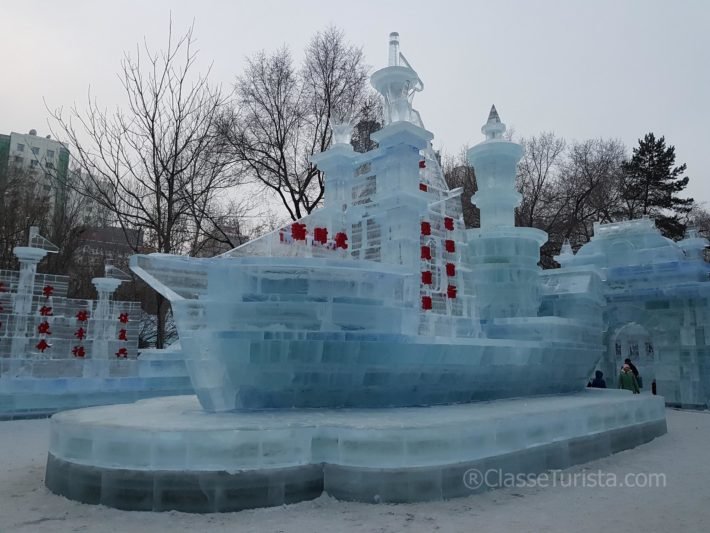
[
  {"x": 494, "y": 128},
  {"x": 394, "y": 49},
  {"x": 566, "y": 255}
]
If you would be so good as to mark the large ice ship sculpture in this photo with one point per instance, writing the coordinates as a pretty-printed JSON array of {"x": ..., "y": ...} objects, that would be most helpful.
[
  {"x": 658, "y": 306},
  {"x": 382, "y": 297},
  {"x": 59, "y": 353}
]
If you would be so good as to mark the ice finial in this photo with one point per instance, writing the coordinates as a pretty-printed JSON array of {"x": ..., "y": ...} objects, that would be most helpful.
[
  {"x": 397, "y": 83},
  {"x": 494, "y": 128},
  {"x": 342, "y": 130},
  {"x": 566, "y": 255},
  {"x": 394, "y": 49}
]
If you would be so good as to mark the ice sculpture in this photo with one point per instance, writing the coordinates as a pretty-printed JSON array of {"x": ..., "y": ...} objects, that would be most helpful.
[
  {"x": 383, "y": 302},
  {"x": 657, "y": 306},
  {"x": 57, "y": 352},
  {"x": 382, "y": 297}
]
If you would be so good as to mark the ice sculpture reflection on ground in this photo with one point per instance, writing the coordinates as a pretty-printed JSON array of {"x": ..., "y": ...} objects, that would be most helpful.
[
  {"x": 380, "y": 302},
  {"x": 60, "y": 353}
]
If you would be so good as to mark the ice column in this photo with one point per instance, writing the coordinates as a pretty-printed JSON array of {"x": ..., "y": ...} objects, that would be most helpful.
[
  {"x": 337, "y": 164},
  {"x": 29, "y": 257},
  {"x": 505, "y": 275},
  {"x": 103, "y": 321}
]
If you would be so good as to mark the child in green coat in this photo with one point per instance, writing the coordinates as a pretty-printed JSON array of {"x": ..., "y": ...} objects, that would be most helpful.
[{"x": 627, "y": 380}]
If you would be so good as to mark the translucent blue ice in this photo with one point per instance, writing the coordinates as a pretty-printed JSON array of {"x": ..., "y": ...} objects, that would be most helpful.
[{"x": 382, "y": 297}]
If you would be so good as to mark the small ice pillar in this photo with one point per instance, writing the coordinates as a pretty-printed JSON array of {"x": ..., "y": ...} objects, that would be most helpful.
[
  {"x": 103, "y": 324},
  {"x": 29, "y": 258},
  {"x": 22, "y": 301},
  {"x": 337, "y": 165}
]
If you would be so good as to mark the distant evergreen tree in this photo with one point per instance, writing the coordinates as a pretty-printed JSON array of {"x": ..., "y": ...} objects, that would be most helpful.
[{"x": 651, "y": 184}]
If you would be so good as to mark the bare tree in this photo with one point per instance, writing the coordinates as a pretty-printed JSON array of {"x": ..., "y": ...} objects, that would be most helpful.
[
  {"x": 538, "y": 172},
  {"x": 158, "y": 165},
  {"x": 459, "y": 173},
  {"x": 283, "y": 115}
]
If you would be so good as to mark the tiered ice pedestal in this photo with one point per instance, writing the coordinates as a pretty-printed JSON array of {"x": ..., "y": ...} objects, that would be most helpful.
[{"x": 168, "y": 453}]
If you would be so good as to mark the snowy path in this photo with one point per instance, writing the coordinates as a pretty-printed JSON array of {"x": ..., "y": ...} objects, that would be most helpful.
[{"x": 683, "y": 455}]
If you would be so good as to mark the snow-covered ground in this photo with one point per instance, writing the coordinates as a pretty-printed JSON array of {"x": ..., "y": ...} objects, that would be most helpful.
[{"x": 683, "y": 456}]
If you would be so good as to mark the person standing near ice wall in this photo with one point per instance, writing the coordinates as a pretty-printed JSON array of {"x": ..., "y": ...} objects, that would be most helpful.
[
  {"x": 635, "y": 371},
  {"x": 627, "y": 380},
  {"x": 598, "y": 381}
]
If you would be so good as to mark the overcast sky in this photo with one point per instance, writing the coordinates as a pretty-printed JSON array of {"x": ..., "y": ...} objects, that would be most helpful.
[{"x": 580, "y": 68}]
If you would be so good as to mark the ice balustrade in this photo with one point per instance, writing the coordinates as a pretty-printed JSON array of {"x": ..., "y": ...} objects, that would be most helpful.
[{"x": 40, "y": 328}]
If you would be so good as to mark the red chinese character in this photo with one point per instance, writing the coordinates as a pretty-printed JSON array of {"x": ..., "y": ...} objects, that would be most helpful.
[
  {"x": 451, "y": 291},
  {"x": 2, "y": 287},
  {"x": 449, "y": 223},
  {"x": 47, "y": 291},
  {"x": 44, "y": 328},
  {"x": 82, "y": 316},
  {"x": 80, "y": 334},
  {"x": 320, "y": 235},
  {"x": 298, "y": 231},
  {"x": 426, "y": 277},
  {"x": 42, "y": 345},
  {"x": 426, "y": 253},
  {"x": 122, "y": 353},
  {"x": 45, "y": 311},
  {"x": 450, "y": 246},
  {"x": 122, "y": 335},
  {"x": 422, "y": 164},
  {"x": 123, "y": 318},
  {"x": 78, "y": 351},
  {"x": 450, "y": 269},
  {"x": 423, "y": 187},
  {"x": 426, "y": 302},
  {"x": 341, "y": 240},
  {"x": 426, "y": 228}
]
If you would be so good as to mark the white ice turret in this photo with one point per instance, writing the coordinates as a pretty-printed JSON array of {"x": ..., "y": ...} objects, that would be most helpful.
[
  {"x": 495, "y": 161},
  {"x": 397, "y": 83},
  {"x": 505, "y": 275},
  {"x": 337, "y": 165}
]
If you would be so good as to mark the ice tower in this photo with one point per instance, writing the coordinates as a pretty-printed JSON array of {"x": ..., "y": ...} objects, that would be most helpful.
[
  {"x": 503, "y": 258},
  {"x": 382, "y": 302}
]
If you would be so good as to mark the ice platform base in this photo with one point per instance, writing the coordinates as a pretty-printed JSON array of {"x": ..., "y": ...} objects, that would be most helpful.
[{"x": 167, "y": 454}]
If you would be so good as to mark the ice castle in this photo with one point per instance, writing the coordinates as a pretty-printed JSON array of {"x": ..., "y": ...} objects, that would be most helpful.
[
  {"x": 658, "y": 306},
  {"x": 375, "y": 350},
  {"x": 59, "y": 353}
]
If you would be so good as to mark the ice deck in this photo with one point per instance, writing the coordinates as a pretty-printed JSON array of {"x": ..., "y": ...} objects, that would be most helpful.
[{"x": 167, "y": 453}]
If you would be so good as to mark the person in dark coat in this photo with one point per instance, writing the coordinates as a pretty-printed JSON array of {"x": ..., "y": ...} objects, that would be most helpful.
[
  {"x": 598, "y": 381},
  {"x": 635, "y": 371}
]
